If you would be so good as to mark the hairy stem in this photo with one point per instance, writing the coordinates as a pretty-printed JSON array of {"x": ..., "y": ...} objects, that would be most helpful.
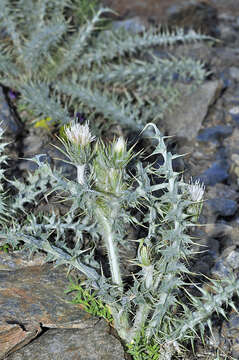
[
  {"x": 112, "y": 251},
  {"x": 143, "y": 309},
  {"x": 81, "y": 173},
  {"x": 121, "y": 322},
  {"x": 121, "y": 318}
]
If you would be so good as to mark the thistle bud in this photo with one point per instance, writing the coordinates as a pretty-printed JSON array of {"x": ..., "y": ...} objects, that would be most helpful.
[
  {"x": 120, "y": 156},
  {"x": 79, "y": 135},
  {"x": 145, "y": 255},
  {"x": 196, "y": 190},
  {"x": 119, "y": 146}
]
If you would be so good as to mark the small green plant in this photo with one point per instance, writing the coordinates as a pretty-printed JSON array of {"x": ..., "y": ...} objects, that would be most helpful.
[
  {"x": 5, "y": 248},
  {"x": 89, "y": 302},
  {"x": 116, "y": 190},
  {"x": 142, "y": 349},
  {"x": 61, "y": 65},
  {"x": 139, "y": 348},
  {"x": 84, "y": 10}
]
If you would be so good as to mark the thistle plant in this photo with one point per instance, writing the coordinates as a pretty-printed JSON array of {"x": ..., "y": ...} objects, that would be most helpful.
[
  {"x": 115, "y": 189},
  {"x": 61, "y": 63}
]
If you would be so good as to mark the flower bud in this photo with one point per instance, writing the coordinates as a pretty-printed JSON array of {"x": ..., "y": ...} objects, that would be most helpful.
[
  {"x": 119, "y": 154},
  {"x": 79, "y": 135},
  {"x": 196, "y": 190},
  {"x": 119, "y": 146},
  {"x": 145, "y": 255}
]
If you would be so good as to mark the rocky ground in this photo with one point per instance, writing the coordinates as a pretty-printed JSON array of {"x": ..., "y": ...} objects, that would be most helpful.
[{"x": 205, "y": 128}]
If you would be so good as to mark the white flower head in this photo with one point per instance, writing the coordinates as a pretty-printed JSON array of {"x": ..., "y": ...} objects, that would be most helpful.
[
  {"x": 196, "y": 190},
  {"x": 79, "y": 134},
  {"x": 120, "y": 145}
]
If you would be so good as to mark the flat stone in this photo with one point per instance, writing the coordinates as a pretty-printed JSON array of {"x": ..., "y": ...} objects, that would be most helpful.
[
  {"x": 31, "y": 298},
  {"x": 19, "y": 259},
  {"x": 186, "y": 121},
  {"x": 85, "y": 344}
]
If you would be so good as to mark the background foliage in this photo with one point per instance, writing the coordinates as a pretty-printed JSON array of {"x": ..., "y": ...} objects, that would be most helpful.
[{"x": 63, "y": 58}]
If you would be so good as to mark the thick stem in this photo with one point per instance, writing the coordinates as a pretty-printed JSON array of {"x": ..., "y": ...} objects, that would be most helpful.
[
  {"x": 112, "y": 251},
  {"x": 121, "y": 322},
  {"x": 81, "y": 173},
  {"x": 121, "y": 319},
  {"x": 139, "y": 321},
  {"x": 143, "y": 309}
]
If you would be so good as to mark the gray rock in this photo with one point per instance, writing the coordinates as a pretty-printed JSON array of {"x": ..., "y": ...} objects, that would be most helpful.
[
  {"x": 198, "y": 51},
  {"x": 134, "y": 25},
  {"x": 227, "y": 264},
  {"x": 234, "y": 112},
  {"x": 38, "y": 141},
  {"x": 193, "y": 14},
  {"x": 222, "y": 206},
  {"x": 223, "y": 191},
  {"x": 234, "y": 72},
  {"x": 232, "y": 259},
  {"x": 225, "y": 56},
  {"x": 73, "y": 344},
  {"x": 218, "y": 230},
  {"x": 20, "y": 259},
  {"x": 215, "y": 133},
  {"x": 218, "y": 172},
  {"x": 33, "y": 144},
  {"x": 33, "y": 297},
  {"x": 8, "y": 119},
  {"x": 228, "y": 34},
  {"x": 230, "y": 334},
  {"x": 220, "y": 270},
  {"x": 187, "y": 120}
]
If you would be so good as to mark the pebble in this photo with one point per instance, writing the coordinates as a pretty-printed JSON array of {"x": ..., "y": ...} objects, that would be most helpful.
[
  {"x": 230, "y": 333},
  {"x": 220, "y": 270},
  {"x": 222, "y": 206},
  {"x": 232, "y": 259},
  {"x": 234, "y": 112},
  {"x": 234, "y": 73},
  {"x": 215, "y": 133},
  {"x": 134, "y": 25},
  {"x": 222, "y": 153},
  {"x": 225, "y": 79},
  {"x": 218, "y": 172}
]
